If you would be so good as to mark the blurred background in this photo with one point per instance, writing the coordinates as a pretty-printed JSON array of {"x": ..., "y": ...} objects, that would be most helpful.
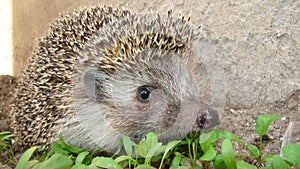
[
  {"x": 21, "y": 23},
  {"x": 6, "y": 37}
]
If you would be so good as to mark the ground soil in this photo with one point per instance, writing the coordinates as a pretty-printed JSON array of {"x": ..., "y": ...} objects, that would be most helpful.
[{"x": 7, "y": 87}]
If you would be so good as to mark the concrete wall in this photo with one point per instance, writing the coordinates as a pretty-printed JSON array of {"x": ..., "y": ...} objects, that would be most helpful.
[{"x": 6, "y": 37}]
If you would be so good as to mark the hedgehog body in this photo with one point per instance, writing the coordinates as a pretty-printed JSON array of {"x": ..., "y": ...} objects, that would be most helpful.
[{"x": 102, "y": 73}]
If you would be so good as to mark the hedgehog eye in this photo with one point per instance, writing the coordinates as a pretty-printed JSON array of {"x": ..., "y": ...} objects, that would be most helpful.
[{"x": 144, "y": 94}]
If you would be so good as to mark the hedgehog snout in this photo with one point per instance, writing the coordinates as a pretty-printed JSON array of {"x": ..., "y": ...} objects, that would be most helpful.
[{"x": 207, "y": 118}]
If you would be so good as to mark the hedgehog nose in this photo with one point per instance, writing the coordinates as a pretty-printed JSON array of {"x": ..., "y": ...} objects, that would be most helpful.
[{"x": 207, "y": 118}]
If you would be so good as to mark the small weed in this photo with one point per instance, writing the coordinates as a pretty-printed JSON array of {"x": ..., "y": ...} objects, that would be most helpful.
[
  {"x": 6, "y": 148},
  {"x": 5, "y": 141}
]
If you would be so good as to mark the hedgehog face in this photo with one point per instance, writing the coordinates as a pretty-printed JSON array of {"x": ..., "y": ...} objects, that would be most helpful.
[
  {"x": 157, "y": 94},
  {"x": 138, "y": 75}
]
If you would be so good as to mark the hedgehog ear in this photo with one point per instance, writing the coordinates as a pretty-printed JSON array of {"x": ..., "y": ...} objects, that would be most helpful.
[{"x": 92, "y": 81}]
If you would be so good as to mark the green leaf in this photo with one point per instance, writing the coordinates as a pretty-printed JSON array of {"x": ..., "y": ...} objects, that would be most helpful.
[
  {"x": 263, "y": 122},
  {"x": 5, "y": 136},
  {"x": 123, "y": 158},
  {"x": 5, "y": 141},
  {"x": 158, "y": 155},
  {"x": 243, "y": 165},
  {"x": 69, "y": 148},
  {"x": 209, "y": 154},
  {"x": 80, "y": 166},
  {"x": 81, "y": 157},
  {"x": 222, "y": 134},
  {"x": 178, "y": 160},
  {"x": 141, "y": 148},
  {"x": 153, "y": 151},
  {"x": 207, "y": 140},
  {"x": 292, "y": 153},
  {"x": 268, "y": 157},
  {"x": 277, "y": 162},
  {"x": 31, "y": 163},
  {"x": 105, "y": 162},
  {"x": 146, "y": 144},
  {"x": 56, "y": 147},
  {"x": 208, "y": 136},
  {"x": 25, "y": 158},
  {"x": 144, "y": 167},
  {"x": 219, "y": 162},
  {"x": 254, "y": 150},
  {"x": 151, "y": 140},
  {"x": 228, "y": 154},
  {"x": 57, "y": 161},
  {"x": 268, "y": 167},
  {"x": 169, "y": 146},
  {"x": 128, "y": 145}
]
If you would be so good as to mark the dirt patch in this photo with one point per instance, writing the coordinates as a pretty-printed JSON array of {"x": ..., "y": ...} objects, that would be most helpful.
[
  {"x": 242, "y": 122},
  {"x": 7, "y": 87}
]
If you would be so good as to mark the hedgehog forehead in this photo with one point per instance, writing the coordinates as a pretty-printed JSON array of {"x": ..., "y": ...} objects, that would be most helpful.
[
  {"x": 152, "y": 77},
  {"x": 165, "y": 71},
  {"x": 122, "y": 38},
  {"x": 129, "y": 49}
]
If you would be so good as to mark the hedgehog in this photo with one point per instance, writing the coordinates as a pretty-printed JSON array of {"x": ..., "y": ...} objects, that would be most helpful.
[{"x": 102, "y": 73}]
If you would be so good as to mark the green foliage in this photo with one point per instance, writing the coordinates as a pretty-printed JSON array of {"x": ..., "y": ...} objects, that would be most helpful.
[
  {"x": 5, "y": 142},
  {"x": 55, "y": 161},
  {"x": 292, "y": 153},
  {"x": 6, "y": 149},
  {"x": 25, "y": 158},
  {"x": 275, "y": 161},
  {"x": 243, "y": 165},
  {"x": 196, "y": 151},
  {"x": 263, "y": 122},
  {"x": 228, "y": 154}
]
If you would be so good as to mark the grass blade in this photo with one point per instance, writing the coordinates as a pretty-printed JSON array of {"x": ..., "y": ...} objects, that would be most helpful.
[{"x": 25, "y": 158}]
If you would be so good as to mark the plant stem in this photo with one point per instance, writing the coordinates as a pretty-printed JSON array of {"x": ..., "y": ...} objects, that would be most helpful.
[
  {"x": 194, "y": 153},
  {"x": 260, "y": 150},
  {"x": 191, "y": 154},
  {"x": 195, "y": 143}
]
